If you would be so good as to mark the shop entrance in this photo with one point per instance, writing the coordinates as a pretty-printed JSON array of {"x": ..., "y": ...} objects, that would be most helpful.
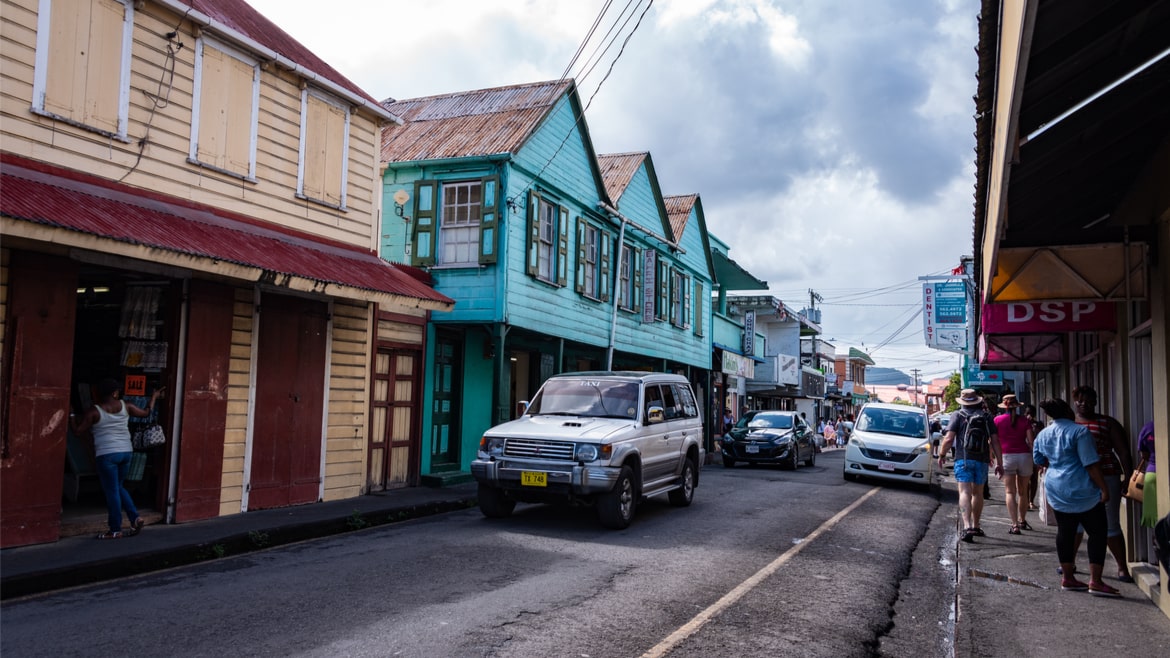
[{"x": 124, "y": 330}]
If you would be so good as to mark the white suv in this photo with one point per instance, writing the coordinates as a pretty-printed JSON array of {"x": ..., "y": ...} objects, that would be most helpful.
[
  {"x": 890, "y": 442},
  {"x": 601, "y": 438}
]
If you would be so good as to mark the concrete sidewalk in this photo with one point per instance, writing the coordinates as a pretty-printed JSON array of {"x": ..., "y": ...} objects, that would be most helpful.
[{"x": 1008, "y": 600}]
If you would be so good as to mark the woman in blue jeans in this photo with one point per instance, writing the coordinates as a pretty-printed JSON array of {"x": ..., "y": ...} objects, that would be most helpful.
[
  {"x": 1077, "y": 492},
  {"x": 109, "y": 422}
]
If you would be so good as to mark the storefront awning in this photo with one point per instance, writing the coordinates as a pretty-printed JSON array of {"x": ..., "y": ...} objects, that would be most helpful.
[{"x": 44, "y": 203}]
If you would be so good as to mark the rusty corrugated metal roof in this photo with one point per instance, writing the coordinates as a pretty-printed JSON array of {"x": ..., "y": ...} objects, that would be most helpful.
[
  {"x": 468, "y": 124},
  {"x": 678, "y": 208},
  {"x": 67, "y": 199},
  {"x": 241, "y": 17},
  {"x": 617, "y": 170}
]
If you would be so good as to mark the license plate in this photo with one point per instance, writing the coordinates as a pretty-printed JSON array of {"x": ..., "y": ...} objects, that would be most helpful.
[
  {"x": 533, "y": 479},
  {"x": 753, "y": 449},
  {"x": 885, "y": 466}
]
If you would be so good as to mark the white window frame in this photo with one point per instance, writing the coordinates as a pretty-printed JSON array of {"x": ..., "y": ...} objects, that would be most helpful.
[
  {"x": 197, "y": 94},
  {"x": 679, "y": 288},
  {"x": 469, "y": 229},
  {"x": 41, "y": 70},
  {"x": 592, "y": 268},
  {"x": 305, "y": 93}
]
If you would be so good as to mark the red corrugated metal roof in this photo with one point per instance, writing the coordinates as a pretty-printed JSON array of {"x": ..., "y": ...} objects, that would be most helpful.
[
  {"x": 468, "y": 124},
  {"x": 617, "y": 170},
  {"x": 678, "y": 208},
  {"x": 241, "y": 17},
  {"x": 40, "y": 193}
]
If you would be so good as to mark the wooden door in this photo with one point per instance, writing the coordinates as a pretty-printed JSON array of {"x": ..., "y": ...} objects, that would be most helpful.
[
  {"x": 445, "y": 450},
  {"x": 204, "y": 422},
  {"x": 290, "y": 381},
  {"x": 393, "y": 425},
  {"x": 38, "y": 340}
]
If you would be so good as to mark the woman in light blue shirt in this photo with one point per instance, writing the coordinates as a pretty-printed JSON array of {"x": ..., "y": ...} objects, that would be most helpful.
[{"x": 1077, "y": 492}]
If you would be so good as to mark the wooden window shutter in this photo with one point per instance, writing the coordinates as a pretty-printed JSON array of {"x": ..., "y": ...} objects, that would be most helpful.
[
  {"x": 563, "y": 246},
  {"x": 422, "y": 242},
  {"x": 700, "y": 318},
  {"x": 663, "y": 302},
  {"x": 581, "y": 264},
  {"x": 488, "y": 220},
  {"x": 685, "y": 283},
  {"x": 533, "y": 233},
  {"x": 603, "y": 278}
]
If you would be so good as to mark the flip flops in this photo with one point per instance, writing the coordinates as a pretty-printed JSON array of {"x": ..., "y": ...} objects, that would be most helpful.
[
  {"x": 1073, "y": 585},
  {"x": 1101, "y": 589},
  {"x": 110, "y": 534}
]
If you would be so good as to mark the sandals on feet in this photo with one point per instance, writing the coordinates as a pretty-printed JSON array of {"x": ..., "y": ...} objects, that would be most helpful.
[
  {"x": 1101, "y": 589},
  {"x": 968, "y": 536},
  {"x": 110, "y": 534},
  {"x": 1073, "y": 585},
  {"x": 1014, "y": 530},
  {"x": 977, "y": 531},
  {"x": 1024, "y": 525}
]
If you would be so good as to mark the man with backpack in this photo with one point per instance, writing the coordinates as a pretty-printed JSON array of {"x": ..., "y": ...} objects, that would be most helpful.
[{"x": 972, "y": 431}]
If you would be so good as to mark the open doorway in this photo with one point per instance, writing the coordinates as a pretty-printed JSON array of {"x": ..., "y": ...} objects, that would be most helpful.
[{"x": 125, "y": 330}]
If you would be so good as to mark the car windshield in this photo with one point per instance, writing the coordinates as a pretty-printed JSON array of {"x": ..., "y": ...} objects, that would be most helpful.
[
  {"x": 598, "y": 398},
  {"x": 775, "y": 421},
  {"x": 892, "y": 421}
]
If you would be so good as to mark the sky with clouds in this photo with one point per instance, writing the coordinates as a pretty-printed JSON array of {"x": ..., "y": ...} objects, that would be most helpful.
[{"x": 831, "y": 142}]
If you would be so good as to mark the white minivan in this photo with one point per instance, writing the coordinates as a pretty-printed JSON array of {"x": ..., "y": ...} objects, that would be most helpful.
[{"x": 890, "y": 442}]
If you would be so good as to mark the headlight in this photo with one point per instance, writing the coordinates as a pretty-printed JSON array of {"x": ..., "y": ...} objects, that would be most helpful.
[
  {"x": 924, "y": 448},
  {"x": 586, "y": 452},
  {"x": 857, "y": 442},
  {"x": 491, "y": 447}
]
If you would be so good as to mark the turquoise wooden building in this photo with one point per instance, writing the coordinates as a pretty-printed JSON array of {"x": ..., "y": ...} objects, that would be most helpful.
[{"x": 557, "y": 260}]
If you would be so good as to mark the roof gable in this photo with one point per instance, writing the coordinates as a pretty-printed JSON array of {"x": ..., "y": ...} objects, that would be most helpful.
[
  {"x": 625, "y": 172},
  {"x": 680, "y": 208}
]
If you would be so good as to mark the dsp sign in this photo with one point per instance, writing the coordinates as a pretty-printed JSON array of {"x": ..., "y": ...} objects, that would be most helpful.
[{"x": 1048, "y": 317}]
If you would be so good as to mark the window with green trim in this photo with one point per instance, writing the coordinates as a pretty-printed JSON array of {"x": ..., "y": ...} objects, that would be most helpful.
[
  {"x": 593, "y": 254},
  {"x": 548, "y": 240},
  {"x": 454, "y": 222},
  {"x": 629, "y": 278}
]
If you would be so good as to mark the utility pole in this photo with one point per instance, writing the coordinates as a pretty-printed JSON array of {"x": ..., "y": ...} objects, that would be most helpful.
[{"x": 915, "y": 371}]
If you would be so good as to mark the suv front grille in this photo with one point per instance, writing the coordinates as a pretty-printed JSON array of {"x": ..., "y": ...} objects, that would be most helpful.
[
  {"x": 539, "y": 449},
  {"x": 889, "y": 455}
]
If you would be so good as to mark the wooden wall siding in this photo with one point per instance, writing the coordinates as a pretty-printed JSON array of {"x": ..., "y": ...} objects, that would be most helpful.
[
  {"x": 399, "y": 332},
  {"x": 349, "y": 402},
  {"x": 571, "y": 170},
  {"x": 640, "y": 203},
  {"x": 164, "y": 167},
  {"x": 4, "y": 256},
  {"x": 239, "y": 383}
]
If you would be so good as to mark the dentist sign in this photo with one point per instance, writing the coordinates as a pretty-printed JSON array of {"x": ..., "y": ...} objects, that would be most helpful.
[{"x": 1048, "y": 317}]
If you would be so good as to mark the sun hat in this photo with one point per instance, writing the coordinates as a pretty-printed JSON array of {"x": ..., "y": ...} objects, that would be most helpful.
[
  {"x": 969, "y": 398},
  {"x": 1009, "y": 401}
]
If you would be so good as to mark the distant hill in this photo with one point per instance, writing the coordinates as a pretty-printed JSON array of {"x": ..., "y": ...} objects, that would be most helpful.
[{"x": 887, "y": 377}]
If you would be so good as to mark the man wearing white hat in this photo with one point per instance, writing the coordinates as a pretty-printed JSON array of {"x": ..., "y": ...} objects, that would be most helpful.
[{"x": 977, "y": 443}]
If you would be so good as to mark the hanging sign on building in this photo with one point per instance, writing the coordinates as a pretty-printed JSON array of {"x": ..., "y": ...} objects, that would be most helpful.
[
  {"x": 945, "y": 316},
  {"x": 649, "y": 285},
  {"x": 749, "y": 332}
]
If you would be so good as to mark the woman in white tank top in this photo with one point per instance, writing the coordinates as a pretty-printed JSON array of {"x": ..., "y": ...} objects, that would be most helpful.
[{"x": 109, "y": 422}]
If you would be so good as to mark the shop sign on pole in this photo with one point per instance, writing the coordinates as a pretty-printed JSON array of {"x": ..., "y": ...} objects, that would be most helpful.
[
  {"x": 945, "y": 315},
  {"x": 749, "y": 332},
  {"x": 649, "y": 285}
]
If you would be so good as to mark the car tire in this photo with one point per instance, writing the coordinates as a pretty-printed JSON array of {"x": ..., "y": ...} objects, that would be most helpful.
[
  {"x": 728, "y": 462},
  {"x": 683, "y": 496},
  {"x": 616, "y": 509},
  {"x": 793, "y": 461},
  {"x": 493, "y": 503},
  {"x": 812, "y": 458},
  {"x": 849, "y": 477}
]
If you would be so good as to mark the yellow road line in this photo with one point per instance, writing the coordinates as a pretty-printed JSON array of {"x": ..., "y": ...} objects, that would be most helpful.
[{"x": 691, "y": 627}]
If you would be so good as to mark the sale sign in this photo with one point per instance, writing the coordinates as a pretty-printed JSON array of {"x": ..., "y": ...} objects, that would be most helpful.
[{"x": 1048, "y": 317}]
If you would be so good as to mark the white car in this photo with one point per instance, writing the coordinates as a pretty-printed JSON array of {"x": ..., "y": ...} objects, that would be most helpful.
[{"x": 890, "y": 442}]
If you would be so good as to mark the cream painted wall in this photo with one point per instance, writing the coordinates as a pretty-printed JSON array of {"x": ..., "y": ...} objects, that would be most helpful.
[{"x": 163, "y": 167}]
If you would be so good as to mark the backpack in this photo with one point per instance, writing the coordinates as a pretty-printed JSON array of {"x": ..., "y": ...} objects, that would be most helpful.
[{"x": 977, "y": 434}]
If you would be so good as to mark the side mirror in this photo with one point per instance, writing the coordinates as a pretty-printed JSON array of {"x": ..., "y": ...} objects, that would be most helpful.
[{"x": 655, "y": 415}]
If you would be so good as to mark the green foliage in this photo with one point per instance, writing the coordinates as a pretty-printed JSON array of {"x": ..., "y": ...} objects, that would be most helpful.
[
  {"x": 951, "y": 393},
  {"x": 258, "y": 539},
  {"x": 356, "y": 521}
]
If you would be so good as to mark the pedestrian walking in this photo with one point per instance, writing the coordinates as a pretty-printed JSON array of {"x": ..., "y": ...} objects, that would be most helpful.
[
  {"x": 1116, "y": 465},
  {"x": 1015, "y": 438},
  {"x": 972, "y": 432}
]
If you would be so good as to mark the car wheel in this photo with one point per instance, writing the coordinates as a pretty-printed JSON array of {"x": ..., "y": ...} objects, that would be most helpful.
[
  {"x": 683, "y": 496},
  {"x": 616, "y": 508},
  {"x": 793, "y": 461},
  {"x": 812, "y": 459},
  {"x": 728, "y": 462},
  {"x": 493, "y": 503},
  {"x": 849, "y": 477}
]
